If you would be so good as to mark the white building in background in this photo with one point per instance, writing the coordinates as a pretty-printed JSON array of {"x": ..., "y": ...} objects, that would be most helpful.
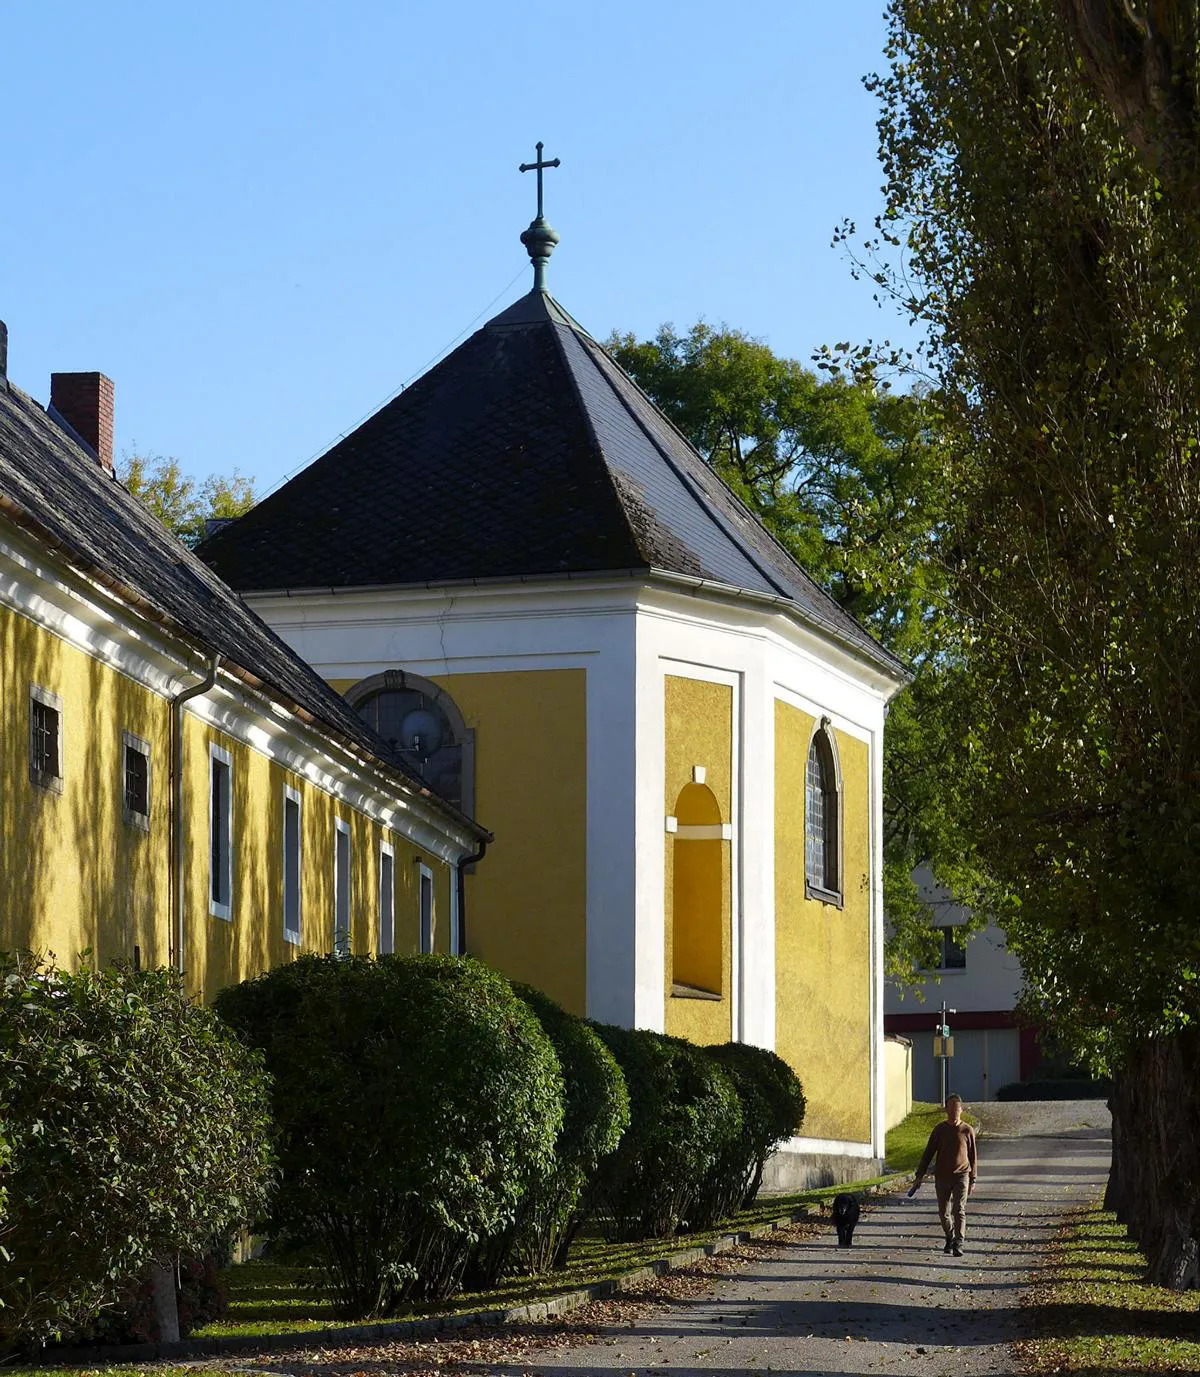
[{"x": 980, "y": 979}]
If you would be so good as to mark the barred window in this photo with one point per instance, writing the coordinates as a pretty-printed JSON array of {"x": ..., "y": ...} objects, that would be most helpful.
[
  {"x": 137, "y": 782},
  {"x": 45, "y": 739}
]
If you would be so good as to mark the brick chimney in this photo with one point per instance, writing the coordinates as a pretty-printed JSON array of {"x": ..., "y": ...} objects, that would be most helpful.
[{"x": 85, "y": 402}]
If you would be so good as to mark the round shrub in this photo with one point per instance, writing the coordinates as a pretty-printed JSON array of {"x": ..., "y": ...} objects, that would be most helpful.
[
  {"x": 773, "y": 1106},
  {"x": 596, "y": 1114},
  {"x": 416, "y": 1101},
  {"x": 684, "y": 1114},
  {"x": 138, "y": 1126}
]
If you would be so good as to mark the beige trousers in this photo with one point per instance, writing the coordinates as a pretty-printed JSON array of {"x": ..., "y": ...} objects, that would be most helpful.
[{"x": 952, "y": 1205}]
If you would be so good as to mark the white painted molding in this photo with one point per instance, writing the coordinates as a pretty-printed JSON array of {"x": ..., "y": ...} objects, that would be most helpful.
[
  {"x": 672, "y": 823},
  {"x": 699, "y": 774}
]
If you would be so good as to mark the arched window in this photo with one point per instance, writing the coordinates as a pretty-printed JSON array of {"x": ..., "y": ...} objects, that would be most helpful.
[
  {"x": 423, "y": 723},
  {"x": 822, "y": 820}
]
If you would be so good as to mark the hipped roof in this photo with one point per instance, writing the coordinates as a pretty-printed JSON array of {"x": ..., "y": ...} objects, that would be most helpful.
[{"x": 527, "y": 452}]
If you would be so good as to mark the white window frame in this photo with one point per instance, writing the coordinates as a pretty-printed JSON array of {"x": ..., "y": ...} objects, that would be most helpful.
[
  {"x": 425, "y": 873},
  {"x": 221, "y": 908},
  {"x": 456, "y": 942},
  {"x": 342, "y": 900},
  {"x": 43, "y": 778},
  {"x": 291, "y": 795},
  {"x": 129, "y": 742},
  {"x": 387, "y": 897}
]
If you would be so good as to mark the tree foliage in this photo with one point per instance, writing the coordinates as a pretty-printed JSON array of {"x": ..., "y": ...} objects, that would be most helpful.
[
  {"x": 183, "y": 504},
  {"x": 138, "y": 1130},
  {"x": 849, "y": 477},
  {"x": 1060, "y": 289}
]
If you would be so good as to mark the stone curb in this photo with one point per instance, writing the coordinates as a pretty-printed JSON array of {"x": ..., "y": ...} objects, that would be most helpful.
[{"x": 400, "y": 1330}]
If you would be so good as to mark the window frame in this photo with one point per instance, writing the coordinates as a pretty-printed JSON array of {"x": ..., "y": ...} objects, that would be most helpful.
[
  {"x": 135, "y": 818},
  {"x": 822, "y": 741},
  {"x": 46, "y": 779},
  {"x": 387, "y": 898},
  {"x": 218, "y": 908},
  {"x": 424, "y": 873},
  {"x": 292, "y": 796},
  {"x": 343, "y": 943}
]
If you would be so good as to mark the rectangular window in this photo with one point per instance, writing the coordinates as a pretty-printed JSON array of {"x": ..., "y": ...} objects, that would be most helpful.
[
  {"x": 954, "y": 952},
  {"x": 220, "y": 833},
  {"x": 425, "y": 896},
  {"x": 341, "y": 888},
  {"x": 387, "y": 900},
  {"x": 291, "y": 864},
  {"x": 45, "y": 739},
  {"x": 135, "y": 780}
]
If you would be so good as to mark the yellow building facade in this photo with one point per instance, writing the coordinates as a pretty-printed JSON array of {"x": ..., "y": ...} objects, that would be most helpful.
[{"x": 164, "y": 802}]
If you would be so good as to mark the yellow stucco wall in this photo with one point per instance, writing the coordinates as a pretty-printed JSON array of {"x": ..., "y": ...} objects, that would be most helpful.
[
  {"x": 527, "y": 900},
  {"x": 699, "y": 731},
  {"x": 76, "y": 876},
  {"x": 822, "y": 953}
]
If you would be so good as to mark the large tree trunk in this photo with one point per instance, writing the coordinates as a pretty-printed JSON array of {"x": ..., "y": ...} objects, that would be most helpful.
[{"x": 1156, "y": 1155}]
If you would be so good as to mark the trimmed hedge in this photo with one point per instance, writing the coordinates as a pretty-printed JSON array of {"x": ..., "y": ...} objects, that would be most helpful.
[
  {"x": 417, "y": 1101},
  {"x": 596, "y": 1115},
  {"x": 138, "y": 1129},
  {"x": 685, "y": 1117},
  {"x": 772, "y": 1103}
]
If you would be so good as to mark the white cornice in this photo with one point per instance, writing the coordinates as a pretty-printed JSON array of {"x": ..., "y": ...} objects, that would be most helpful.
[{"x": 80, "y": 612}]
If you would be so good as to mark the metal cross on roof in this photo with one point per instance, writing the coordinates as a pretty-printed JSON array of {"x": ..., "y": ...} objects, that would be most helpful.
[{"x": 538, "y": 166}]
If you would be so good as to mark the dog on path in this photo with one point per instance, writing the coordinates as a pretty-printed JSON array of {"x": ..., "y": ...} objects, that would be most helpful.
[{"x": 846, "y": 1210}]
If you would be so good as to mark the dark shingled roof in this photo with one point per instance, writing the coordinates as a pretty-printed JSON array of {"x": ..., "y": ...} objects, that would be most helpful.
[
  {"x": 54, "y": 486},
  {"x": 526, "y": 452}
]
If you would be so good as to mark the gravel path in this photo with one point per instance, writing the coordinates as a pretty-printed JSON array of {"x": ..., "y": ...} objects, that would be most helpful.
[{"x": 893, "y": 1304}]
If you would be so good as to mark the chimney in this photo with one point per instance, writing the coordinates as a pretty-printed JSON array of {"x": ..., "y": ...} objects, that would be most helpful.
[{"x": 85, "y": 402}]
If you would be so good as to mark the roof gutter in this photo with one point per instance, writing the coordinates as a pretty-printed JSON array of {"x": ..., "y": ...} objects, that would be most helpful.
[{"x": 178, "y": 703}]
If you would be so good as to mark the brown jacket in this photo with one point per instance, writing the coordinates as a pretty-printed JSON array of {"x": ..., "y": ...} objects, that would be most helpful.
[{"x": 951, "y": 1148}]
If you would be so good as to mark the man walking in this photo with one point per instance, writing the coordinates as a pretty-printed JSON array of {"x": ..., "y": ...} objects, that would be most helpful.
[{"x": 951, "y": 1149}]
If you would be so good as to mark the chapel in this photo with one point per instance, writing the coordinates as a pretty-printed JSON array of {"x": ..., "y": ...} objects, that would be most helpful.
[{"x": 524, "y": 578}]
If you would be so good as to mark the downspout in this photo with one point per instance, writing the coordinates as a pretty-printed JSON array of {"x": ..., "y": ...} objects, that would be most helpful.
[
  {"x": 460, "y": 879},
  {"x": 175, "y": 937}
]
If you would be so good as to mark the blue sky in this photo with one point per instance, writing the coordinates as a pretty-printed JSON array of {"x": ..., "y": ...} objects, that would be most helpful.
[{"x": 261, "y": 218}]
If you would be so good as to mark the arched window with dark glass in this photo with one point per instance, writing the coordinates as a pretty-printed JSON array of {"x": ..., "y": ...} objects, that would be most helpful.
[
  {"x": 422, "y": 722},
  {"x": 822, "y": 821}
]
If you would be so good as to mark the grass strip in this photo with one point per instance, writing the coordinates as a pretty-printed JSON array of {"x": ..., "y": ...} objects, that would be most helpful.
[{"x": 1094, "y": 1313}]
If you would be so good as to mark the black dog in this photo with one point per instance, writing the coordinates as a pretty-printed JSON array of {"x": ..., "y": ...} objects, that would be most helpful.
[{"x": 845, "y": 1217}]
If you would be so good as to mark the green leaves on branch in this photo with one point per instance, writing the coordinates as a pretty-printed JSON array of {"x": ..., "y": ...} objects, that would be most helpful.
[
  {"x": 181, "y": 503},
  {"x": 137, "y": 1124}
]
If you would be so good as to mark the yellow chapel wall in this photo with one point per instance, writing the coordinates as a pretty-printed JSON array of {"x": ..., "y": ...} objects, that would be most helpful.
[
  {"x": 526, "y": 902},
  {"x": 822, "y": 953},
  {"x": 699, "y": 731}
]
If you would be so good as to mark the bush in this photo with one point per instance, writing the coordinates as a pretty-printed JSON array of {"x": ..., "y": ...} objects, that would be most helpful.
[
  {"x": 138, "y": 1128},
  {"x": 416, "y": 1101},
  {"x": 684, "y": 1114},
  {"x": 773, "y": 1106},
  {"x": 596, "y": 1115}
]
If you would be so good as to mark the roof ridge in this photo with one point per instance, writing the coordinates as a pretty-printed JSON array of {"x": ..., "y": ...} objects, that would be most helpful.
[
  {"x": 685, "y": 477},
  {"x": 597, "y": 447},
  {"x": 750, "y": 515}
]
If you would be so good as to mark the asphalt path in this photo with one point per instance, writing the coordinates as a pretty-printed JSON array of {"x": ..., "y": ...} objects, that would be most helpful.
[{"x": 894, "y": 1303}]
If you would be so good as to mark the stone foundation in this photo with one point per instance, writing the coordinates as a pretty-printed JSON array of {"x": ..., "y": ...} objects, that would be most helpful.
[{"x": 801, "y": 1171}]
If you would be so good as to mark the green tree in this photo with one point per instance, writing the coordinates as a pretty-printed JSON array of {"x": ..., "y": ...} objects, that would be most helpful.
[
  {"x": 1059, "y": 287},
  {"x": 849, "y": 477},
  {"x": 183, "y": 504}
]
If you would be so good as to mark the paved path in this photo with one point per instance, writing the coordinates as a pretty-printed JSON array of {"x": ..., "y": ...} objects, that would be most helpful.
[{"x": 893, "y": 1304}]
